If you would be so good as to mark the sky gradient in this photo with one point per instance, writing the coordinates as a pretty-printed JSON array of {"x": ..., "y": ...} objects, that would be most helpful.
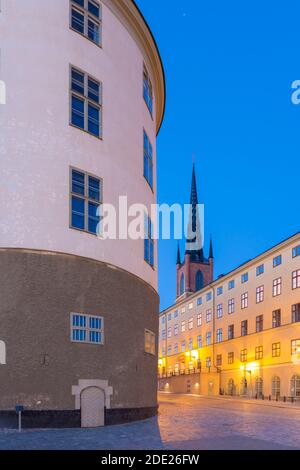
[{"x": 229, "y": 69}]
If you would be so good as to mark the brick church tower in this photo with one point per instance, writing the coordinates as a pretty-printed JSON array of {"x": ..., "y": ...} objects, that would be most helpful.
[{"x": 196, "y": 271}]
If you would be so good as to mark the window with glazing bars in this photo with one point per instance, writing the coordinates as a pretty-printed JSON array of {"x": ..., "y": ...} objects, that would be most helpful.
[
  {"x": 86, "y": 102},
  {"x": 86, "y": 199},
  {"x": 148, "y": 160},
  {"x": 296, "y": 313},
  {"x": 149, "y": 242},
  {"x": 276, "y": 318},
  {"x": 148, "y": 91},
  {"x": 87, "y": 329},
  {"x": 86, "y": 19},
  {"x": 296, "y": 279},
  {"x": 277, "y": 283}
]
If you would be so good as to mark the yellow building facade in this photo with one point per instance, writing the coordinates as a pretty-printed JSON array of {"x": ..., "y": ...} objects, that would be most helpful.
[{"x": 239, "y": 335}]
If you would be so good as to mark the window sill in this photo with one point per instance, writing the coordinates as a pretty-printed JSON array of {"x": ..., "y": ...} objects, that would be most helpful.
[
  {"x": 86, "y": 132},
  {"x": 100, "y": 46}
]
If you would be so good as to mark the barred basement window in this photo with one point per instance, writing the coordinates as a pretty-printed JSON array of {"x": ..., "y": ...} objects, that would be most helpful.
[
  {"x": 86, "y": 102},
  {"x": 150, "y": 347},
  {"x": 86, "y": 19},
  {"x": 148, "y": 91},
  {"x": 85, "y": 200},
  {"x": 87, "y": 329}
]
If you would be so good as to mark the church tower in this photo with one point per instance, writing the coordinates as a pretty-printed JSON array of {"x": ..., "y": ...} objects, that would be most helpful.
[{"x": 195, "y": 271}]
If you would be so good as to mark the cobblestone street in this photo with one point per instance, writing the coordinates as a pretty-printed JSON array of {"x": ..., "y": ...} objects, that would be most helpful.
[{"x": 184, "y": 423}]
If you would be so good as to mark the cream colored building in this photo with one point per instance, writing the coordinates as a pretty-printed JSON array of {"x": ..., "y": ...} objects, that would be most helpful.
[{"x": 239, "y": 335}]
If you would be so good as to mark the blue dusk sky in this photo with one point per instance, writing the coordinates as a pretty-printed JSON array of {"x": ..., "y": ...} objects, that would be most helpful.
[{"x": 229, "y": 69}]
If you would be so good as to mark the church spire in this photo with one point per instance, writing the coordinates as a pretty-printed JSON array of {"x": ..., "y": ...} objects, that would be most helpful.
[
  {"x": 211, "y": 251},
  {"x": 194, "y": 238}
]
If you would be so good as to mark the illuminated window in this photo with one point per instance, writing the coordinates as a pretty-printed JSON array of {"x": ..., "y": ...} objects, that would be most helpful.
[
  {"x": 86, "y": 102},
  {"x": 296, "y": 279},
  {"x": 86, "y": 199},
  {"x": 148, "y": 91},
  {"x": 244, "y": 328},
  {"x": 87, "y": 329},
  {"x": 191, "y": 323},
  {"x": 295, "y": 386},
  {"x": 231, "y": 306},
  {"x": 295, "y": 346},
  {"x": 182, "y": 310},
  {"x": 276, "y": 387},
  {"x": 183, "y": 326},
  {"x": 277, "y": 284},
  {"x": 259, "y": 353},
  {"x": 276, "y": 349},
  {"x": 244, "y": 300},
  {"x": 244, "y": 355},
  {"x": 191, "y": 306},
  {"x": 231, "y": 332},
  {"x": 219, "y": 311},
  {"x": 260, "y": 294},
  {"x": 86, "y": 19},
  {"x": 276, "y": 318},
  {"x": 163, "y": 334},
  {"x": 199, "y": 319}
]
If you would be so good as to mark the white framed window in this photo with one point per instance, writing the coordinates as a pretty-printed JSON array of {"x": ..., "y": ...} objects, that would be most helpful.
[
  {"x": 208, "y": 296},
  {"x": 169, "y": 316},
  {"x": 219, "y": 335},
  {"x": 219, "y": 311},
  {"x": 208, "y": 315},
  {"x": 220, "y": 290},
  {"x": 86, "y": 19},
  {"x": 182, "y": 310},
  {"x": 296, "y": 279},
  {"x": 231, "y": 306},
  {"x": 277, "y": 284},
  {"x": 86, "y": 197},
  {"x": 169, "y": 332},
  {"x": 85, "y": 102},
  {"x": 191, "y": 323},
  {"x": 191, "y": 305},
  {"x": 163, "y": 334},
  {"x": 182, "y": 346},
  {"x": 87, "y": 329},
  {"x": 199, "y": 341},
  {"x": 208, "y": 338},
  {"x": 183, "y": 326},
  {"x": 244, "y": 300},
  {"x": 199, "y": 319},
  {"x": 231, "y": 284},
  {"x": 150, "y": 347},
  {"x": 176, "y": 329},
  {"x": 169, "y": 350},
  {"x": 260, "y": 294}
]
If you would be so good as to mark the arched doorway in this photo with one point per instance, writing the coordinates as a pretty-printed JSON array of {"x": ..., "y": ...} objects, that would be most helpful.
[
  {"x": 259, "y": 387},
  {"x": 92, "y": 407},
  {"x": 231, "y": 387},
  {"x": 199, "y": 280},
  {"x": 276, "y": 387},
  {"x": 295, "y": 386},
  {"x": 244, "y": 387},
  {"x": 2, "y": 353}
]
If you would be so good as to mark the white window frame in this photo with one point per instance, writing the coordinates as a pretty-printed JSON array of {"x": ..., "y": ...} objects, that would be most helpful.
[{"x": 87, "y": 329}]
